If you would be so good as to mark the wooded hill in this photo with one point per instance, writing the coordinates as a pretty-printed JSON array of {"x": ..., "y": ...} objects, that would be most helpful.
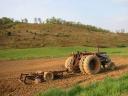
[{"x": 56, "y": 32}]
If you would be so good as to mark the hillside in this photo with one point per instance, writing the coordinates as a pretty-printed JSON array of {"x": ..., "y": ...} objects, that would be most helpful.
[{"x": 51, "y": 33}]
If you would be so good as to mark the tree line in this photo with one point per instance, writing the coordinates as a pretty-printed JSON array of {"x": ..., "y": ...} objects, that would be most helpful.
[{"x": 8, "y": 22}]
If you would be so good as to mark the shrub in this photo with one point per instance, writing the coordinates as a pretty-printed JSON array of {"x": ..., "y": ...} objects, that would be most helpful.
[
  {"x": 121, "y": 45},
  {"x": 9, "y": 33}
]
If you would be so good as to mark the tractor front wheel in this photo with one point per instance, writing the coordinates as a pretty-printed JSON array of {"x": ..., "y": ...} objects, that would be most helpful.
[
  {"x": 111, "y": 66},
  {"x": 69, "y": 64}
]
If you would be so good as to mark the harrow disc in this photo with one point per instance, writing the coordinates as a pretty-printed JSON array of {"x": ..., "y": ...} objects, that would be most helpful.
[{"x": 48, "y": 76}]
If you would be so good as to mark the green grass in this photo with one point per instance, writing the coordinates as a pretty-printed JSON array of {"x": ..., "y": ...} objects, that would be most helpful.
[
  {"x": 107, "y": 87},
  {"x": 48, "y": 52},
  {"x": 116, "y": 51}
]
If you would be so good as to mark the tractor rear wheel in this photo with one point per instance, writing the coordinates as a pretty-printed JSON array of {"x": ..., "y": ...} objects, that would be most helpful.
[
  {"x": 81, "y": 65},
  {"x": 91, "y": 64}
]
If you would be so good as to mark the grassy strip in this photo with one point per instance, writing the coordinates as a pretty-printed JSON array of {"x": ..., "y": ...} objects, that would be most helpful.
[
  {"x": 47, "y": 52},
  {"x": 107, "y": 87}
]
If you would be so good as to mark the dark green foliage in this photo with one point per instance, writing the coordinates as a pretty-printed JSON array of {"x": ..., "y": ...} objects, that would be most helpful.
[
  {"x": 54, "y": 20},
  {"x": 5, "y": 20},
  {"x": 122, "y": 45},
  {"x": 95, "y": 29},
  {"x": 6, "y": 23},
  {"x": 9, "y": 34}
]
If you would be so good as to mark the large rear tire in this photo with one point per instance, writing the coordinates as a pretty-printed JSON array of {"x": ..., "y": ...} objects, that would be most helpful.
[
  {"x": 69, "y": 63},
  {"x": 81, "y": 65},
  {"x": 91, "y": 64}
]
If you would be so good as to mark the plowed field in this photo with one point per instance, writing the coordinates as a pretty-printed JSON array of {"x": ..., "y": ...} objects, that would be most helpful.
[{"x": 10, "y": 72}]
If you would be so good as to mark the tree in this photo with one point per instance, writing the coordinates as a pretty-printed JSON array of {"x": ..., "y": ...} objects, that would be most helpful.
[
  {"x": 5, "y": 20},
  {"x": 122, "y": 30},
  {"x": 22, "y": 20},
  {"x": 35, "y": 20},
  {"x": 6, "y": 23},
  {"x": 25, "y": 20},
  {"x": 39, "y": 20},
  {"x": 54, "y": 20}
]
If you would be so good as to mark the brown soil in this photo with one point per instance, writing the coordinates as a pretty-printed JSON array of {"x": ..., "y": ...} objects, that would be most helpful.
[{"x": 10, "y": 72}]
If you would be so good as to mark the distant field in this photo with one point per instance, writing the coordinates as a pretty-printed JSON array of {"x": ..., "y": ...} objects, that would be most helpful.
[{"x": 52, "y": 52}]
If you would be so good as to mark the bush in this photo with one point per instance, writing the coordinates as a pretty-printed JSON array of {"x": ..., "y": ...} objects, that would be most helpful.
[
  {"x": 6, "y": 23},
  {"x": 9, "y": 33},
  {"x": 54, "y": 20},
  {"x": 121, "y": 45}
]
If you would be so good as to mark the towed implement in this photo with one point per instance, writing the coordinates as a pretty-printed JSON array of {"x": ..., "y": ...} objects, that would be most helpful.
[{"x": 40, "y": 76}]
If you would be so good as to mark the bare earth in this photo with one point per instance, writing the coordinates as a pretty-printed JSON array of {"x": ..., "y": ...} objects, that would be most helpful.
[{"x": 10, "y": 72}]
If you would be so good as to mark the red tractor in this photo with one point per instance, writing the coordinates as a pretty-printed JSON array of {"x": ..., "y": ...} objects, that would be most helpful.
[{"x": 88, "y": 63}]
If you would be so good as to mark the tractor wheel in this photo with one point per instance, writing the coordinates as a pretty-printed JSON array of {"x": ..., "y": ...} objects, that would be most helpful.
[
  {"x": 48, "y": 76},
  {"x": 92, "y": 64},
  {"x": 69, "y": 63},
  {"x": 81, "y": 65},
  {"x": 111, "y": 66}
]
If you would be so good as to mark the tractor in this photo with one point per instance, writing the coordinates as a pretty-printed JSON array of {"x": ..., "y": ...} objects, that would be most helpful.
[{"x": 88, "y": 62}]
